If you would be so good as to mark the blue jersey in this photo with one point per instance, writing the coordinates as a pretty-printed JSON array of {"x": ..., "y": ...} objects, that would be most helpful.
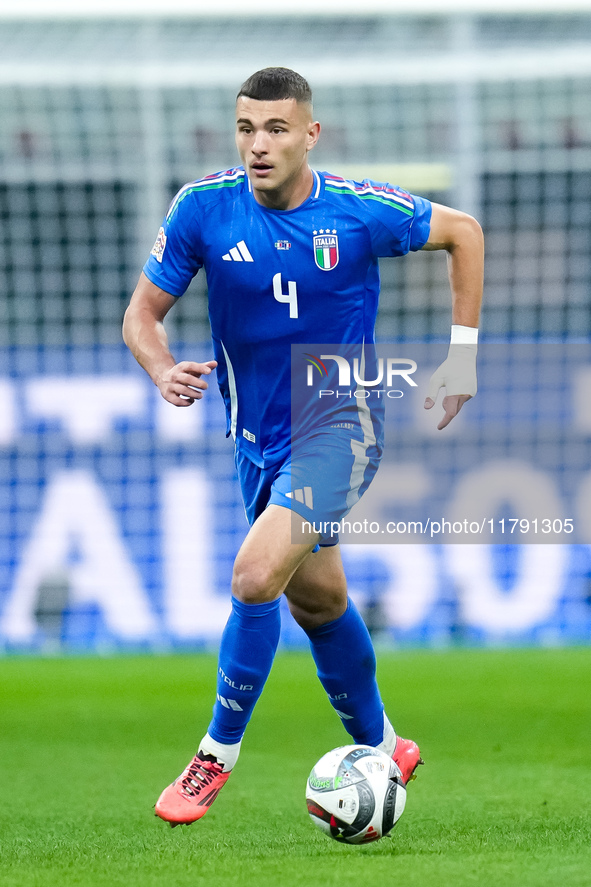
[{"x": 281, "y": 277}]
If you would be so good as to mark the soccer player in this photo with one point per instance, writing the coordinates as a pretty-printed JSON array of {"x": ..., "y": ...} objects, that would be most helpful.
[{"x": 272, "y": 283}]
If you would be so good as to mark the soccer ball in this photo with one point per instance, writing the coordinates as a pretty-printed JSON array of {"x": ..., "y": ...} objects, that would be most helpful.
[{"x": 355, "y": 794}]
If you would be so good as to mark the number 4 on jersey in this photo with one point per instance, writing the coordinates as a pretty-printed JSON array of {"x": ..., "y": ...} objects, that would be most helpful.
[{"x": 292, "y": 294}]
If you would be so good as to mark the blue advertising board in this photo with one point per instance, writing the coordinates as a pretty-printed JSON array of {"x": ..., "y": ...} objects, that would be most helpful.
[{"x": 120, "y": 515}]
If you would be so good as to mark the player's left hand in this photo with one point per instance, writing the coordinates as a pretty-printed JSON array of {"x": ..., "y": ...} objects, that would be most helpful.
[{"x": 457, "y": 374}]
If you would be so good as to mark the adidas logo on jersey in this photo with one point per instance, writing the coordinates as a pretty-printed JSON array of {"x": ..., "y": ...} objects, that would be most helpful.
[
  {"x": 304, "y": 496},
  {"x": 238, "y": 253}
]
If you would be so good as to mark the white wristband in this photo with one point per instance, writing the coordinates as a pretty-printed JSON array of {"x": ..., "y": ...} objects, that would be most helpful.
[{"x": 464, "y": 335}]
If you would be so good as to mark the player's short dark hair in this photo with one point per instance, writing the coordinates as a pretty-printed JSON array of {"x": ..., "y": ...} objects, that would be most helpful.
[{"x": 275, "y": 84}]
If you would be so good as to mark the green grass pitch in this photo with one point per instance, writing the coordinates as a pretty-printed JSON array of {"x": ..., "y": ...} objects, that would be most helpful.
[{"x": 504, "y": 800}]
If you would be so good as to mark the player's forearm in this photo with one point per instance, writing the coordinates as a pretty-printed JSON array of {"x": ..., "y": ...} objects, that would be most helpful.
[
  {"x": 466, "y": 271},
  {"x": 146, "y": 338},
  {"x": 461, "y": 236}
]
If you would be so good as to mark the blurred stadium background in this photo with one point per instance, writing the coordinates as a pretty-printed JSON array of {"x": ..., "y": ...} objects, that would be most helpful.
[{"x": 119, "y": 515}]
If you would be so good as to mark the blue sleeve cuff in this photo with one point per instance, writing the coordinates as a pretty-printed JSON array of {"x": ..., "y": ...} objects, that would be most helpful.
[
  {"x": 158, "y": 279},
  {"x": 421, "y": 226}
]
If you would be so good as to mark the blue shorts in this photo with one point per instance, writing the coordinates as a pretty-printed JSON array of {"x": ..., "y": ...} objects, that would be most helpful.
[{"x": 321, "y": 480}]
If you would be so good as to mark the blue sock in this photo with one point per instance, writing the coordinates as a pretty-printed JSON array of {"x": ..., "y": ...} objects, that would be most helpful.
[
  {"x": 247, "y": 651},
  {"x": 346, "y": 664}
]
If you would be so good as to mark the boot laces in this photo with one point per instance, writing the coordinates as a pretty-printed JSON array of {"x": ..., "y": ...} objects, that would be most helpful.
[{"x": 200, "y": 775}]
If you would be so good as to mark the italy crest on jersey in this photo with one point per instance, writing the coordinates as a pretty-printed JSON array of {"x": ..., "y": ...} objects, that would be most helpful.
[{"x": 326, "y": 249}]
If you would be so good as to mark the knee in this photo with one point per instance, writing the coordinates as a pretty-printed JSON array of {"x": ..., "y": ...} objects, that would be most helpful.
[{"x": 253, "y": 582}]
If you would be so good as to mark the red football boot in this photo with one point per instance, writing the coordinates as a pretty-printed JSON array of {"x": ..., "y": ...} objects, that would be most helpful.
[
  {"x": 408, "y": 757},
  {"x": 192, "y": 794}
]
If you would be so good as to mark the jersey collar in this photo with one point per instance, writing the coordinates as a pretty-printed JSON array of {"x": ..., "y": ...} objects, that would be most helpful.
[{"x": 316, "y": 187}]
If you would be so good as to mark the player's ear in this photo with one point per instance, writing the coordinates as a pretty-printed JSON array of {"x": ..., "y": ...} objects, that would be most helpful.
[{"x": 313, "y": 133}]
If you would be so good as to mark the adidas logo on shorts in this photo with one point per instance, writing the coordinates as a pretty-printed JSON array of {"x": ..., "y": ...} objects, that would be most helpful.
[{"x": 304, "y": 496}]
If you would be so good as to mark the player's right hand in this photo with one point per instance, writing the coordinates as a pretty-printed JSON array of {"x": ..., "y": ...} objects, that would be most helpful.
[{"x": 183, "y": 384}]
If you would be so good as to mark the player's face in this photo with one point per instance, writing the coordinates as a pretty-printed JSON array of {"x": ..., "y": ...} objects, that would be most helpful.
[{"x": 273, "y": 140}]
